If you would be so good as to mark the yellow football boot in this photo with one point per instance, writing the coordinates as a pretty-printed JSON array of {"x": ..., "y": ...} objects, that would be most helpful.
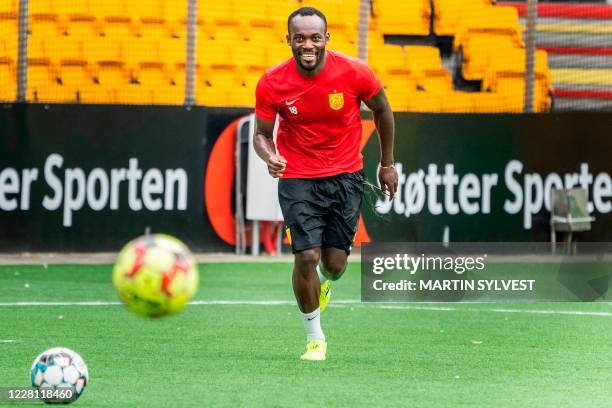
[
  {"x": 315, "y": 350},
  {"x": 324, "y": 295}
]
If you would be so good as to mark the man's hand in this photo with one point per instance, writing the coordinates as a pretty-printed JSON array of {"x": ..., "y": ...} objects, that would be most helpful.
[
  {"x": 387, "y": 176},
  {"x": 276, "y": 165}
]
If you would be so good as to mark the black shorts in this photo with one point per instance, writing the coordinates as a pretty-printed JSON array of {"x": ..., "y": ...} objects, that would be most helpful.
[{"x": 321, "y": 212}]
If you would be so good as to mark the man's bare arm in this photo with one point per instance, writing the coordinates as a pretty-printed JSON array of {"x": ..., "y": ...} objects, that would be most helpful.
[
  {"x": 385, "y": 125},
  {"x": 263, "y": 142}
]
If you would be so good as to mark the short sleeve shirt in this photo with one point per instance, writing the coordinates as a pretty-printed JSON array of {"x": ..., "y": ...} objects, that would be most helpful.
[{"x": 319, "y": 130}]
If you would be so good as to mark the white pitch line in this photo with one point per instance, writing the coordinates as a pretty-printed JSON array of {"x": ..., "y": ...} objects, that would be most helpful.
[
  {"x": 7, "y": 341},
  {"x": 502, "y": 310},
  {"x": 337, "y": 302}
]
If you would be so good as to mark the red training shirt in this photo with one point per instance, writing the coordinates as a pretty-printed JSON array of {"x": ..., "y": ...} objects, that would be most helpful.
[{"x": 319, "y": 129}]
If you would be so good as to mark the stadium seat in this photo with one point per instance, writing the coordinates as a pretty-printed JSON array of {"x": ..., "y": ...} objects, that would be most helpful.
[
  {"x": 344, "y": 41},
  {"x": 277, "y": 53},
  {"x": 173, "y": 50},
  {"x": 102, "y": 49},
  {"x": 423, "y": 102},
  {"x": 480, "y": 50},
  {"x": 485, "y": 102},
  {"x": 403, "y": 17},
  {"x": 75, "y": 78},
  {"x": 248, "y": 56},
  {"x": 43, "y": 21},
  {"x": 220, "y": 13},
  {"x": 8, "y": 79},
  {"x": 456, "y": 102},
  {"x": 436, "y": 81},
  {"x": 398, "y": 88},
  {"x": 447, "y": 13},
  {"x": 157, "y": 78},
  {"x": 137, "y": 50},
  {"x": 211, "y": 52},
  {"x": 43, "y": 82},
  {"x": 386, "y": 57},
  {"x": 420, "y": 57},
  {"x": 508, "y": 78},
  {"x": 215, "y": 85},
  {"x": 109, "y": 77},
  {"x": 244, "y": 95},
  {"x": 9, "y": 9}
]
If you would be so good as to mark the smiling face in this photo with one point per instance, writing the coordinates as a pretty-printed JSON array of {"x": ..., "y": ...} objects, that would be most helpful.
[{"x": 308, "y": 37}]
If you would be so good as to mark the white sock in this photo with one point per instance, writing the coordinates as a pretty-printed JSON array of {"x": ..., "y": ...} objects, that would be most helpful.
[
  {"x": 322, "y": 277},
  {"x": 312, "y": 325}
]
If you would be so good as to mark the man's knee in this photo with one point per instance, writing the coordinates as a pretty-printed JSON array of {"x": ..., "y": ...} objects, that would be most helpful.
[
  {"x": 307, "y": 260},
  {"x": 334, "y": 268}
]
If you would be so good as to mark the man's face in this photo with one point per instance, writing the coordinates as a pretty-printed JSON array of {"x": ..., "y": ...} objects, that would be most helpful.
[{"x": 307, "y": 38}]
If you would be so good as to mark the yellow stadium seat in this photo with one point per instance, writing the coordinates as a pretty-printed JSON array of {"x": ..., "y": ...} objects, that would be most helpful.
[
  {"x": 386, "y": 57},
  {"x": 9, "y": 31},
  {"x": 457, "y": 102},
  {"x": 480, "y": 50},
  {"x": 175, "y": 11},
  {"x": 173, "y": 50},
  {"x": 135, "y": 94},
  {"x": 136, "y": 50},
  {"x": 102, "y": 49},
  {"x": 43, "y": 82},
  {"x": 344, "y": 41},
  {"x": 424, "y": 102},
  {"x": 506, "y": 76},
  {"x": 403, "y": 17},
  {"x": 43, "y": 19},
  {"x": 143, "y": 10},
  {"x": 278, "y": 53},
  {"x": 214, "y": 86},
  {"x": 447, "y": 14},
  {"x": 498, "y": 21},
  {"x": 114, "y": 20},
  {"x": 8, "y": 79},
  {"x": 156, "y": 79},
  {"x": 398, "y": 88},
  {"x": 420, "y": 57},
  {"x": 76, "y": 7},
  {"x": 64, "y": 47},
  {"x": 9, "y": 9},
  {"x": 246, "y": 55},
  {"x": 75, "y": 78},
  {"x": 438, "y": 81},
  {"x": 218, "y": 51},
  {"x": 109, "y": 77},
  {"x": 36, "y": 49},
  {"x": 279, "y": 10},
  {"x": 485, "y": 102},
  {"x": 221, "y": 13}
]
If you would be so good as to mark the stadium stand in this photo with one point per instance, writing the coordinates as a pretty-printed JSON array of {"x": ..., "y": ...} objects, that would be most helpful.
[
  {"x": 120, "y": 51},
  {"x": 577, "y": 38}
]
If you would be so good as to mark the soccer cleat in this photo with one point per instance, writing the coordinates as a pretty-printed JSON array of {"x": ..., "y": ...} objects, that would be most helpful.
[
  {"x": 324, "y": 295},
  {"x": 315, "y": 350}
]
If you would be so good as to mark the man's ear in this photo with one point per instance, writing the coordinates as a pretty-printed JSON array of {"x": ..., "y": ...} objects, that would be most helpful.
[{"x": 288, "y": 39}]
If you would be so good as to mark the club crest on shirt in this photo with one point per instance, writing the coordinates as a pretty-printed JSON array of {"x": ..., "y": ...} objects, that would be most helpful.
[{"x": 336, "y": 100}]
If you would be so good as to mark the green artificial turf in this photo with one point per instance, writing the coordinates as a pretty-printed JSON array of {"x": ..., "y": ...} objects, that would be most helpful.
[{"x": 438, "y": 355}]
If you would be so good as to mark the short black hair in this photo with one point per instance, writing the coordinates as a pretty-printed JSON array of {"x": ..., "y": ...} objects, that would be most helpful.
[{"x": 307, "y": 11}]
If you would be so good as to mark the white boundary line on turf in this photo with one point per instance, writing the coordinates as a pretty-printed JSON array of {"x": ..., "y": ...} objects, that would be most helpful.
[{"x": 340, "y": 303}]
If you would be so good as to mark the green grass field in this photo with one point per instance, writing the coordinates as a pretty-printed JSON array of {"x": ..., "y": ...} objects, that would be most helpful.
[{"x": 245, "y": 352}]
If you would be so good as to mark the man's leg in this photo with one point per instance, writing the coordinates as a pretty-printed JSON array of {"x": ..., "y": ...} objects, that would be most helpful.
[
  {"x": 306, "y": 288},
  {"x": 333, "y": 262},
  {"x": 306, "y": 284}
]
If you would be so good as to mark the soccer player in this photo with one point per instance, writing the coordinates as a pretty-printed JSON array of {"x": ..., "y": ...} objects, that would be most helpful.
[{"x": 317, "y": 96}]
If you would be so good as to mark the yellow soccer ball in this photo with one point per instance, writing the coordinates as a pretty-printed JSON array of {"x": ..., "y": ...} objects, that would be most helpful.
[{"x": 155, "y": 275}]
